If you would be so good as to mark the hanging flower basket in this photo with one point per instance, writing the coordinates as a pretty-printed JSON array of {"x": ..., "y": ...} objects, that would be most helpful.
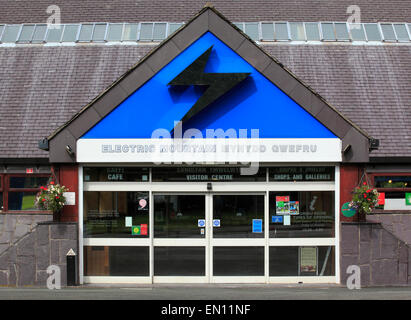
[
  {"x": 364, "y": 199},
  {"x": 51, "y": 198}
]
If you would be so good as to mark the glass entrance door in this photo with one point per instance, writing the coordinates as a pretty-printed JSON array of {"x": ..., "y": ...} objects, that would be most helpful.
[
  {"x": 180, "y": 238},
  {"x": 209, "y": 237},
  {"x": 237, "y": 243}
]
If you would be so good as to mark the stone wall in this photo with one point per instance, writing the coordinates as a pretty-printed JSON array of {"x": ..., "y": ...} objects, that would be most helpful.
[
  {"x": 15, "y": 226},
  {"x": 398, "y": 224},
  {"x": 26, "y": 261},
  {"x": 384, "y": 259}
]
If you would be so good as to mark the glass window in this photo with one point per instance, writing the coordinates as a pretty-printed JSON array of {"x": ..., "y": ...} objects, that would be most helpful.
[
  {"x": 341, "y": 31},
  {"x": 302, "y": 261},
  {"x": 1, "y": 202},
  {"x": 146, "y": 32},
  {"x": 176, "y": 216},
  {"x": 212, "y": 174},
  {"x": 114, "y": 32},
  {"x": 357, "y": 32},
  {"x": 99, "y": 32},
  {"x": 116, "y": 214},
  {"x": 130, "y": 32},
  {"x": 297, "y": 31},
  {"x": 116, "y": 174},
  {"x": 10, "y": 33},
  {"x": 372, "y": 31},
  {"x": 401, "y": 31},
  {"x": 159, "y": 31},
  {"x": 251, "y": 29},
  {"x": 24, "y": 201},
  {"x": 281, "y": 31},
  {"x": 301, "y": 173},
  {"x": 328, "y": 31},
  {"x": 238, "y": 261},
  {"x": 116, "y": 261},
  {"x": 241, "y": 216},
  {"x": 179, "y": 261},
  {"x": 70, "y": 33},
  {"x": 28, "y": 182},
  {"x": 39, "y": 33},
  {"x": 312, "y": 31},
  {"x": 86, "y": 32},
  {"x": 267, "y": 31},
  {"x": 54, "y": 35},
  {"x": 392, "y": 181},
  {"x": 388, "y": 32},
  {"x": 173, "y": 27},
  {"x": 26, "y": 33},
  {"x": 239, "y": 25},
  {"x": 301, "y": 214},
  {"x": 1, "y": 30}
]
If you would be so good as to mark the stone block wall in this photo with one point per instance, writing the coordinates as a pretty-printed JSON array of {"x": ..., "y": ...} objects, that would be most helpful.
[
  {"x": 397, "y": 224},
  {"x": 384, "y": 260},
  {"x": 26, "y": 261},
  {"x": 15, "y": 226}
]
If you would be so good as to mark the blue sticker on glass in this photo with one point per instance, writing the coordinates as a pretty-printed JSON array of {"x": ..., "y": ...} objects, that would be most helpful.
[
  {"x": 257, "y": 225},
  {"x": 277, "y": 219}
]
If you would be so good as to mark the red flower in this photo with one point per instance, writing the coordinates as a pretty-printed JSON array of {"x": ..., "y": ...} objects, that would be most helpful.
[
  {"x": 368, "y": 191},
  {"x": 364, "y": 183},
  {"x": 57, "y": 197},
  {"x": 51, "y": 182},
  {"x": 365, "y": 196},
  {"x": 43, "y": 199}
]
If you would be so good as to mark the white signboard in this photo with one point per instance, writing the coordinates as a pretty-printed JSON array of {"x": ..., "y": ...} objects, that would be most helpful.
[
  {"x": 208, "y": 151},
  {"x": 70, "y": 198}
]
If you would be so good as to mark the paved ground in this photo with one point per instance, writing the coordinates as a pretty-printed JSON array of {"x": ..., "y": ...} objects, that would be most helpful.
[{"x": 207, "y": 292}]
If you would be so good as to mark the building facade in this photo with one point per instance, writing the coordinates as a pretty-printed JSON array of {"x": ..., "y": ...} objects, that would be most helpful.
[{"x": 209, "y": 161}]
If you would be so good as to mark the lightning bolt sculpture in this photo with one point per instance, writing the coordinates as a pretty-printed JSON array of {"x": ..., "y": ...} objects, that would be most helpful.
[{"x": 218, "y": 83}]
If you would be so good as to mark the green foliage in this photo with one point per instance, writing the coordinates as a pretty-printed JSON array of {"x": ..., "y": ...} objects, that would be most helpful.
[
  {"x": 364, "y": 198},
  {"x": 51, "y": 197}
]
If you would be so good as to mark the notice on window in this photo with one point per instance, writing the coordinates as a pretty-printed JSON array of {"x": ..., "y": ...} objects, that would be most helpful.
[
  {"x": 294, "y": 207},
  {"x": 287, "y": 220},
  {"x": 142, "y": 202},
  {"x": 282, "y": 205},
  {"x": 257, "y": 225},
  {"x": 308, "y": 260},
  {"x": 129, "y": 222}
]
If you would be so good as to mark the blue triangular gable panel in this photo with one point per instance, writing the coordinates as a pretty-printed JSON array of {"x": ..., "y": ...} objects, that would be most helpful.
[{"x": 256, "y": 103}]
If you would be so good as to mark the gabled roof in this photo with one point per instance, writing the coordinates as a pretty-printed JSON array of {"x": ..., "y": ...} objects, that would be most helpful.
[{"x": 209, "y": 19}]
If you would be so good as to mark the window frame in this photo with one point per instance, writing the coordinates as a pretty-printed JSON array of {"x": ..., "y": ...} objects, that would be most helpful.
[
  {"x": 5, "y": 180},
  {"x": 393, "y": 174}
]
